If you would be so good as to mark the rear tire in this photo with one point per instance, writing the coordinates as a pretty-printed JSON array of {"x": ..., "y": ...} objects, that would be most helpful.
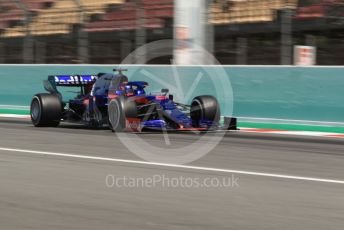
[
  {"x": 204, "y": 108},
  {"x": 46, "y": 110}
]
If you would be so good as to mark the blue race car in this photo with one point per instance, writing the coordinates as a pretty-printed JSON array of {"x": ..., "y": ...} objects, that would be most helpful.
[{"x": 110, "y": 99}]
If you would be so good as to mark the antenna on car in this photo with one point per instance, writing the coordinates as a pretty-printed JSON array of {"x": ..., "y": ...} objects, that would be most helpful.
[{"x": 120, "y": 70}]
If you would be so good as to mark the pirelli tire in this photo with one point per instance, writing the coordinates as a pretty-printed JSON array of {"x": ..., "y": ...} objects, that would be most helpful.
[
  {"x": 119, "y": 109},
  {"x": 46, "y": 110},
  {"x": 205, "y": 107}
]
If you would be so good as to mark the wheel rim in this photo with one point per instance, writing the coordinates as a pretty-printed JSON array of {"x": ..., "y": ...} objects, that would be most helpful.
[
  {"x": 114, "y": 115},
  {"x": 35, "y": 110}
]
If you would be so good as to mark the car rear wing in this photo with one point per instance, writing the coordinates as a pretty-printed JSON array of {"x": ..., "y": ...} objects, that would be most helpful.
[
  {"x": 72, "y": 80},
  {"x": 68, "y": 81}
]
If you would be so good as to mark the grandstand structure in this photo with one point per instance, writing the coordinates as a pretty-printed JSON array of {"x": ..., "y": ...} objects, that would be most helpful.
[
  {"x": 105, "y": 31},
  {"x": 250, "y": 11},
  {"x": 50, "y": 17}
]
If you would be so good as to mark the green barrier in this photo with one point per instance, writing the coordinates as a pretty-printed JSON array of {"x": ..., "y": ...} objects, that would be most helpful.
[{"x": 292, "y": 93}]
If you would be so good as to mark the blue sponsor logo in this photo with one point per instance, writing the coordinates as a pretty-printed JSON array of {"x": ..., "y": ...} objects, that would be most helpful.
[{"x": 75, "y": 79}]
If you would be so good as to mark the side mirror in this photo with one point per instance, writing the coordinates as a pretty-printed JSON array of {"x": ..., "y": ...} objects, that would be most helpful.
[{"x": 165, "y": 91}]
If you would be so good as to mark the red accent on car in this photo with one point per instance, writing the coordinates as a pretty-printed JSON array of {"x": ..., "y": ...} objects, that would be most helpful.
[
  {"x": 133, "y": 124},
  {"x": 129, "y": 94},
  {"x": 160, "y": 97},
  {"x": 191, "y": 129},
  {"x": 141, "y": 100},
  {"x": 112, "y": 96}
]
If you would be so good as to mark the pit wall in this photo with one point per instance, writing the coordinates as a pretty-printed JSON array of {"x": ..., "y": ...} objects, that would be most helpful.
[{"x": 301, "y": 94}]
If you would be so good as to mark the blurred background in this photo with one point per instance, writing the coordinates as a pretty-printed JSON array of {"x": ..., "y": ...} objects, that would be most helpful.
[{"x": 243, "y": 32}]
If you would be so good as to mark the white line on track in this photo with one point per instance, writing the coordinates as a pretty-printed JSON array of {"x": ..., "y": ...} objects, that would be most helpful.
[
  {"x": 15, "y": 116},
  {"x": 16, "y": 107},
  {"x": 289, "y": 121},
  {"x": 189, "y": 167}
]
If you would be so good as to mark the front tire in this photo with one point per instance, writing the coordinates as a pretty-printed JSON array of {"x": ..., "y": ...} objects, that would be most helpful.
[
  {"x": 118, "y": 110},
  {"x": 46, "y": 110},
  {"x": 205, "y": 108}
]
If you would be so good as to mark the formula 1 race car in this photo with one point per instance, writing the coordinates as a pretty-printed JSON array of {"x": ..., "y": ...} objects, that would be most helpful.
[{"x": 110, "y": 99}]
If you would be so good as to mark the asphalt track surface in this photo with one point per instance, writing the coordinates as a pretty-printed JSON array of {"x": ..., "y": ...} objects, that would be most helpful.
[{"x": 42, "y": 191}]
